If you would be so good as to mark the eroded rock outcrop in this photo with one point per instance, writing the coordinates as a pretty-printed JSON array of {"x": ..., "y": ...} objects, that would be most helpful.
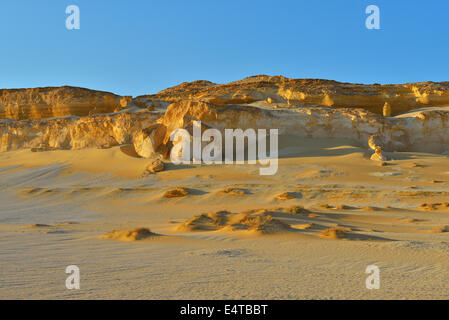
[
  {"x": 375, "y": 141},
  {"x": 302, "y": 92},
  {"x": 73, "y": 118},
  {"x": 378, "y": 155},
  {"x": 39, "y": 103},
  {"x": 73, "y": 132},
  {"x": 426, "y": 131},
  {"x": 149, "y": 141},
  {"x": 386, "y": 111}
]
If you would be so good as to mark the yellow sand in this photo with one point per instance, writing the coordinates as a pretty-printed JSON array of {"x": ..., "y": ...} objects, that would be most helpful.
[{"x": 261, "y": 248}]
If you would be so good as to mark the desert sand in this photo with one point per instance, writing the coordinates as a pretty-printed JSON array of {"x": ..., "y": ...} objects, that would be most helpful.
[
  {"x": 224, "y": 231},
  {"x": 57, "y": 205}
]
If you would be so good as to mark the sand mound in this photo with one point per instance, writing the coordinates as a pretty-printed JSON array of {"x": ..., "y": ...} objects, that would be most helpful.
[
  {"x": 344, "y": 207},
  {"x": 285, "y": 196},
  {"x": 409, "y": 220},
  {"x": 176, "y": 193},
  {"x": 442, "y": 229},
  {"x": 233, "y": 191},
  {"x": 225, "y": 221},
  {"x": 129, "y": 235},
  {"x": 264, "y": 224},
  {"x": 36, "y": 191},
  {"x": 303, "y": 226},
  {"x": 335, "y": 233},
  {"x": 369, "y": 208},
  {"x": 296, "y": 210},
  {"x": 257, "y": 211},
  {"x": 435, "y": 206},
  {"x": 66, "y": 223},
  {"x": 38, "y": 225},
  {"x": 417, "y": 165},
  {"x": 205, "y": 222}
]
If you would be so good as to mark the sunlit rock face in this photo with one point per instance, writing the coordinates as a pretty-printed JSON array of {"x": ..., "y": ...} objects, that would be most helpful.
[
  {"x": 148, "y": 141},
  {"x": 426, "y": 131},
  {"x": 76, "y": 118},
  {"x": 99, "y": 131},
  {"x": 39, "y": 103},
  {"x": 303, "y": 92}
]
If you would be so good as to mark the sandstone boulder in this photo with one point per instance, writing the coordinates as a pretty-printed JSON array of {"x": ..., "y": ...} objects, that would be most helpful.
[
  {"x": 148, "y": 142},
  {"x": 155, "y": 166}
]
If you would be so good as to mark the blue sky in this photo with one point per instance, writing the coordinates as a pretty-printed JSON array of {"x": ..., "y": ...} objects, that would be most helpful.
[{"x": 143, "y": 46}]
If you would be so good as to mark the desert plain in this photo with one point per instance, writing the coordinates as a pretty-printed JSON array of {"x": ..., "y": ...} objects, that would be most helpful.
[{"x": 362, "y": 179}]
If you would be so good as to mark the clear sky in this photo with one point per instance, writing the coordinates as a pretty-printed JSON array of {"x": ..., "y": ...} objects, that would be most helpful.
[{"x": 142, "y": 46}]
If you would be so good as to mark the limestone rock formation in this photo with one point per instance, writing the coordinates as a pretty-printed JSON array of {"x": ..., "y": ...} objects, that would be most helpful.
[
  {"x": 73, "y": 118},
  {"x": 376, "y": 141},
  {"x": 386, "y": 111},
  {"x": 378, "y": 155},
  {"x": 303, "y": 92},
  {"x": 188, "y": 125},
  {"x": 425, "y": 131},
  {"x": 125, "y": 101},
  {"x": 148, "y": 141},
  {"x": 38, "y": 103},
  {"x": 73, "y": 132}
]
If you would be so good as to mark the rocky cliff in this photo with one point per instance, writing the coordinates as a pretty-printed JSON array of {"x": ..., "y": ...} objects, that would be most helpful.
[
  {"x": 425, "y": 131},
  {"x": 38, "y": 103},
  {"x": 74, "y": 118},
  {"x": 306, "y": 92},
  {"x": 99, "y": 131}
]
